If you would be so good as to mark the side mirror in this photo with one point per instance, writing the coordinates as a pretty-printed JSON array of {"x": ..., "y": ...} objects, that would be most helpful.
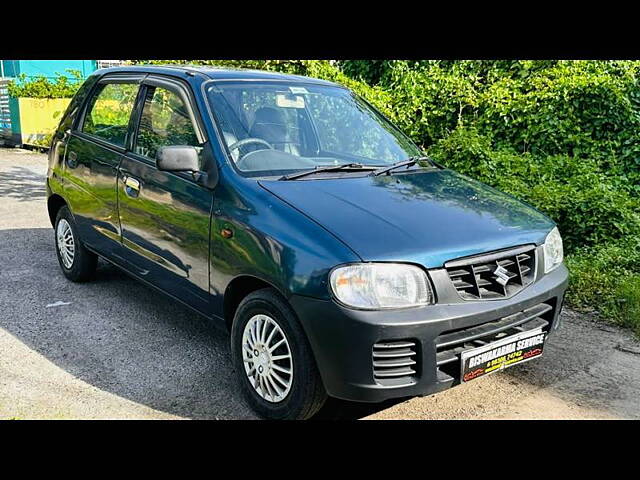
[{"x": 178, "y": 158}]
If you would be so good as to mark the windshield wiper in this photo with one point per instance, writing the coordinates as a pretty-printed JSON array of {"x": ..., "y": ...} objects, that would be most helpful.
[
  {"x": 405, "y": 163},
  {"x": 328, "y": 168}
]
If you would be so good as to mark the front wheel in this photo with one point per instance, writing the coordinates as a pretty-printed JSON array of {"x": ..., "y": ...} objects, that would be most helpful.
[
  {"x": 77, "y": 263},
  {"x": 273, "y": 360}
]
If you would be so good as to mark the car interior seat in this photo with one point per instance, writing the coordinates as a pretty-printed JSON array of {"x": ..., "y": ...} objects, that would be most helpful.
[{"x": 269, "y": 124}]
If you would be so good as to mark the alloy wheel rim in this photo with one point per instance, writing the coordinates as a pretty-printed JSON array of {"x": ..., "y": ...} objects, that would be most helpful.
[
  {"x": 66, "y": 243},
  {"x": 267, "y": 358}
]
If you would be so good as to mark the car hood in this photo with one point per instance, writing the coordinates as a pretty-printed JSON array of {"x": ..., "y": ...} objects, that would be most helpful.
[{"x": 427, "y": 217}]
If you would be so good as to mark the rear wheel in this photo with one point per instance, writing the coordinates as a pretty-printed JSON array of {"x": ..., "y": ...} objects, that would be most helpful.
[
  {"x": 273, "y": 360},
  {"x": 77, "y": 263}
]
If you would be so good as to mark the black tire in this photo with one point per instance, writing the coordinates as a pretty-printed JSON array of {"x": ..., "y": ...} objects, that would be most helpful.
[
  {"x": 84, "y": 262},
  {"x": 307, "y": 394}
]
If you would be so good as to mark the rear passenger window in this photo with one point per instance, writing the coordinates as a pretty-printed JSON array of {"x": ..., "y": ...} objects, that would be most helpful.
[
  {"x": 109, "y": 110},
  {"x": 165, "y": 122}
]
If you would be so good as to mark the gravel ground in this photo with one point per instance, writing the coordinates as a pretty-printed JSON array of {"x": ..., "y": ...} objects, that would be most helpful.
[{"x": 121, "y": 350}]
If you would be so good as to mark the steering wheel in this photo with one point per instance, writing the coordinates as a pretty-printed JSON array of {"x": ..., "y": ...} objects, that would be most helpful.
[{"x": 247, "y": 141}]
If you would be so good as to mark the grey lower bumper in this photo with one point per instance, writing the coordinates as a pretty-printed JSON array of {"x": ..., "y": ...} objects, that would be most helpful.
[{"x": 342, "y": 339}]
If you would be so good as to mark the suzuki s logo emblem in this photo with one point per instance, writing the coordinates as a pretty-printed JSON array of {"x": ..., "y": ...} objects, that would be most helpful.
[{"x": 502, "y": 274}]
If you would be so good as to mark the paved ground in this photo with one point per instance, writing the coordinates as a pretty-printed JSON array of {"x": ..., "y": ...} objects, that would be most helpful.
[{"x": 121, "y": 350}]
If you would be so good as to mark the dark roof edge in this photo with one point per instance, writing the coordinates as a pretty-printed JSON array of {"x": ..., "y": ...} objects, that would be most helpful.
[{"x": 215, "y": 73}]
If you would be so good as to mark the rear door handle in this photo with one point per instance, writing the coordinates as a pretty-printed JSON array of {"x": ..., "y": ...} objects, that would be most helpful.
[
  {"x": 72, "y": 159},
  {"x": 132, "y": 183},
  {"x": 131, "y": 186}
]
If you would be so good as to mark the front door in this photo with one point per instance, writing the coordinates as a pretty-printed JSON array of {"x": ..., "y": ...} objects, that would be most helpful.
[{"x": 165, "y": 216}]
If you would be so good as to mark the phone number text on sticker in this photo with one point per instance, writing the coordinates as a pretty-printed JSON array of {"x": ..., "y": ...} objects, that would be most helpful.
[{"x": 502, "y": 354}]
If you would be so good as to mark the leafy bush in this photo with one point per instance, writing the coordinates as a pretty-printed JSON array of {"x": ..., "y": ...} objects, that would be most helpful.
[
  {"x": 586, "y": 109},
  {"x": 606, "y": 279},
  {"x": 42, "y": 87},
  {"x": 626, "y": 310},
  {"x": 372, "y": 72}
]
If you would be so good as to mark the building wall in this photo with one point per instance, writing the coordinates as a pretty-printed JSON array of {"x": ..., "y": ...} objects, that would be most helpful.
[
  {"x": 6, "y": 131},
  {"x": 47, "y": 68},
  {"x": 34, "y": 117}
]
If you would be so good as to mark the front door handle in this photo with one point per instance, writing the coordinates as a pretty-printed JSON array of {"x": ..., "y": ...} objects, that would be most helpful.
[{"x": 132, "y": 186}]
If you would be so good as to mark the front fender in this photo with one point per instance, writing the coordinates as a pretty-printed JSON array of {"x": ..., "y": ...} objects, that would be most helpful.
[{"x": 271, "y": 241}]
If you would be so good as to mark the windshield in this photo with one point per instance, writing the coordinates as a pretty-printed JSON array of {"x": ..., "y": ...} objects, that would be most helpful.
[{"x": 276, "y": 128}]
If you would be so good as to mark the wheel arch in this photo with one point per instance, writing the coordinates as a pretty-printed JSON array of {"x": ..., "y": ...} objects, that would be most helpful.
[
  {"x": 238, "y": 289},
  {"x": 54, "y": 203}
]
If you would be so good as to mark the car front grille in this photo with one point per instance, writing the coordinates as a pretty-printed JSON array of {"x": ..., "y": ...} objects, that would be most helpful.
[
  {"x": 495, "y": 275},
  {"x": 450, "y": 344},
  {"x": 395, "y": 362}
]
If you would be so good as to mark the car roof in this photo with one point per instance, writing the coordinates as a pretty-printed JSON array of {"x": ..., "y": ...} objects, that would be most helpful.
[{"x": 214, "y": 73}]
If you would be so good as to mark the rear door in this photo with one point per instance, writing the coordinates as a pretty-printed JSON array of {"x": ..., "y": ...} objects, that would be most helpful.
[
  {"x": 165, "y": 217},
  {"x": 96, "y": 144}
]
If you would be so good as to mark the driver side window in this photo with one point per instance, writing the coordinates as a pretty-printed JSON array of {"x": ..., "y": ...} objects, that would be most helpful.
[{"x": 164, "y": 122}]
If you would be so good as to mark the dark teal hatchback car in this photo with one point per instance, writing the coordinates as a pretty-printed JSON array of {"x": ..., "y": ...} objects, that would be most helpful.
[{"x": 343, "y": 261}]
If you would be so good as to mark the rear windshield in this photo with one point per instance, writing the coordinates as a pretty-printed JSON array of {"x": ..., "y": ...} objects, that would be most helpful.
[{"x": 273, "y": 128}]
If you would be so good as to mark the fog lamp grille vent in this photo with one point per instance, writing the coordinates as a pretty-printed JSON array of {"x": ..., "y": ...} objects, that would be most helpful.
[{"x": 395, "y": 362}]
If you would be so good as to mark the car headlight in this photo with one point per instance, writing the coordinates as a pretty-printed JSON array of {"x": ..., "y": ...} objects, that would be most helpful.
[
  {"x": 553, "y": 251},
  {"x": 374, "y": 286}
]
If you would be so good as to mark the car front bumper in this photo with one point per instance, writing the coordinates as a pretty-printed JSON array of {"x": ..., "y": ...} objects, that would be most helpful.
[{"x": 343, "y": 339}]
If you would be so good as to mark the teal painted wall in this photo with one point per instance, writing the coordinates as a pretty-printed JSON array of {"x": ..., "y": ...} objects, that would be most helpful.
[
  {"x": 8, "y": 68},
  {"x": 15, "y": 120},
  {"x": 47, "y": 68}
]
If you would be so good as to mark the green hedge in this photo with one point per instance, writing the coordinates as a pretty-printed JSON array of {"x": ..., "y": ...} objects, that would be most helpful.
[
  {"x": 43, "y": 87},
  {"x": 606, "y": 279}
]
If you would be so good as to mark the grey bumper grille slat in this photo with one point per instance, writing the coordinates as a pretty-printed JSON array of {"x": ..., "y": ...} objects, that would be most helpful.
[
  {"x": 403, "y": 352},
  {"x": 393, "y": 363},
  {"x": 492, "y": 328},
  {"x": 395, "y": 372}
]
